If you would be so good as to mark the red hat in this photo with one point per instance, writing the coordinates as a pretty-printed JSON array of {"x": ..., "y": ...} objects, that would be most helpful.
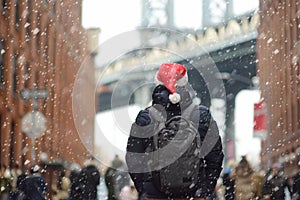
[{"x": 172, "y": 75}]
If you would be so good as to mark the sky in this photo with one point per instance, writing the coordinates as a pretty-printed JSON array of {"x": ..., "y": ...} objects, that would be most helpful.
[{"x": 114, "y": 17}]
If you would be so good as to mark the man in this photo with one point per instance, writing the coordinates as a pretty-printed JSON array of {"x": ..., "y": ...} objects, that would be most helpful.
[
  {"x": 170, "y": 99},
  {"x": 89, "y": 179},
  {"x": 228, "y": 180},
  {"x": 5, "y": 182},
  {"x": 75, "y": 190},
  {"x": 275, "y": 184},
  {"x": 296, "y": 184},
  {"x": 34, "y": 185},
  {"x": 116, "y": 178}
]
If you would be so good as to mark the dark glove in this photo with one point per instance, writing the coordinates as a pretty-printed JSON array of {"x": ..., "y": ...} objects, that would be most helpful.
[
  {"x": 143, "y": 118},
  {"x": 161, "y": 97}
]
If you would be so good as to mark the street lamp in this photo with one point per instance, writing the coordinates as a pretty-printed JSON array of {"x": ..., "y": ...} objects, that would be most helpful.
[{"x": 34, "y": 123}]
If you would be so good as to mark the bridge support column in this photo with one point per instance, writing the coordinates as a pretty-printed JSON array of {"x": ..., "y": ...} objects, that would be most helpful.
[
  {"x": 229, "y": 140},
  {"x": 142, "y": 96}
]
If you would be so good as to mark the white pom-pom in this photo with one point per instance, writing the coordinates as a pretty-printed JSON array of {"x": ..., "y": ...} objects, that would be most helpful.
[{"x": 174, "y": 98}]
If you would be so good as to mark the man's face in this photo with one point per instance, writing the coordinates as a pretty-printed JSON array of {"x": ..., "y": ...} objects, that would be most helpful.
[
  {"x": 162, "y": 98},
  {"x": 275, "y": 170}
]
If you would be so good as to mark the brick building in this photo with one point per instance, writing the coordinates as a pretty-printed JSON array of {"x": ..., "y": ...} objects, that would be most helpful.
[
  {"x": 278, "y": 51},
  {"x": 42, "y": 45}
]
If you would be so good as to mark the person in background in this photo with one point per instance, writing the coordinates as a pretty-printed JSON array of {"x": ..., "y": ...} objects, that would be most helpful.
[
  {"x": 19, "y": 194},
  {"x": 5, "y": 182},
  {"x": 247, "y": 182},
  {"x": 35, "y": 186},
  {"x": 296, "y": 184},
  {"x": 15, "y": 172},
  {"x": 122, "y": 178},
  {"x": 259, "y": 178},
  {"x": 275, "y": 183},
  {"x": 110, "y": 183},
  {"x": 75, "y": 189},
  {"x": 129, "y": 192},
  {"x": 116, "y": 178},
  {"x": 89, "y": 181},
  {"x": 62, "y": 188},
  {"x": 228, "y": 180},
  {"x": 17, "y": 183}
]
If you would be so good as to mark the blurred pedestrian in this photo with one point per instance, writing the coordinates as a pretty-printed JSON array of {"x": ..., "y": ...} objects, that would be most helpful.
[
  {"x": 129, "y": 192},
  {"x": 62, "y": 188},
  {"x": 75, "y": 189},
  {"x": 228, "y": 180},
  {"x": 15, "y": 172},
  {"x": 5, "y": 182},
  {"x": 247, "y": 183},
  {"x": 116, "y": 177},
  {"x": 296, "y": 184},
  {"x": 35, "y": 187},
  {"x": 258, "y": 180},
  {"x": 275, "y": 183},
  {"x": 89, "y": 181},
  {"x": 109, "y": 176},
  {"x": 122, "y": 178},
  {"x": 18, "y": 193}
]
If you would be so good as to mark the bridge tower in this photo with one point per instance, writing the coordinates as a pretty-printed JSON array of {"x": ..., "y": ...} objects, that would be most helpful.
[
  {"x": 216, "y": 12},
  {"x": 158, "y": 13}
]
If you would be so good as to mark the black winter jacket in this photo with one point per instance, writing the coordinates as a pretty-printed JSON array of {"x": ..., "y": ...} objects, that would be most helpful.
[
  {"x": 89, "y": 180},
  {"x": 296, "y": 185},
  {"x": 141, "y": 138},
  {"x": 275, "y": 186},
  {"x": 35, "y": 187}
]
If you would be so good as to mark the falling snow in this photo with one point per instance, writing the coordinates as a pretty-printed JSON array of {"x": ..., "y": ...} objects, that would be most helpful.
[
  {"x": 36, "y": 31},
  {"x": 222, "y": 61}
]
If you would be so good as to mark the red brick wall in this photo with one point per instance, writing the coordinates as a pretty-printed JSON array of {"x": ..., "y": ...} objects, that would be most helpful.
[
  {"x": 278, "y": 52},
  {"x": 49, "y": 45}
]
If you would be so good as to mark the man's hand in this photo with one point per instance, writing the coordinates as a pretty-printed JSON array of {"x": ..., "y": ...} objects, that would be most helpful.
[
  {"x": 143, "y": 118},
  {"x": 161, "y": 98}
]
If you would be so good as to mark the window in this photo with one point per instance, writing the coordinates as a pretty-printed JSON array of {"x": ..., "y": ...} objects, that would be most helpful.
[
  {"x": 27, "y": 24},
  {"x": 17, "y": 14},
  {"x": 1, "y": 122},
  {"x": 15, "y": 76},
  {"x": 37, "y": 34},
  {"x": 12, "y": 145},
  {"x": 2, "y": 51},
  {"x": 3, "y": 5},
  {"x": 26, "y": 75},
  {"x": 36, "y": 79}
]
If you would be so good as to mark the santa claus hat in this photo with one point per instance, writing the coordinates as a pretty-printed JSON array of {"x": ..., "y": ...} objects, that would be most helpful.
[{"x": 172, "y": 75}]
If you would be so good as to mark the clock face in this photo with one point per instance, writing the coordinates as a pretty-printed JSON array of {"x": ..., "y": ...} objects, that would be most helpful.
[{"x": 217, "y": 10}]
